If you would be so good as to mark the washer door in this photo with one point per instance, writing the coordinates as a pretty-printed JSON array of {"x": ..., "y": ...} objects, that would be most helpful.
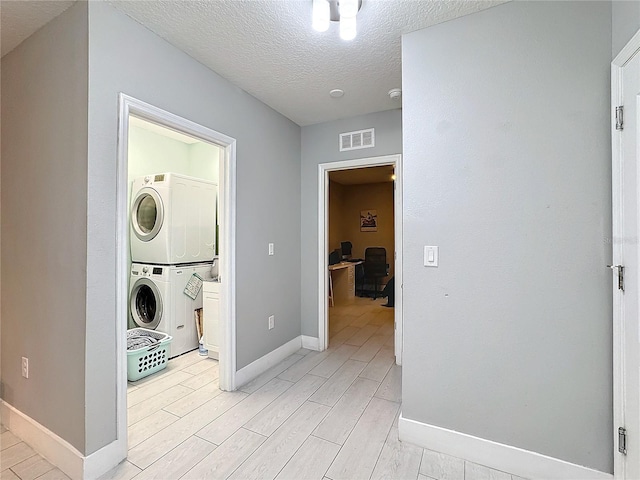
[
  {"x": 147, "y": 214},
  {"x": 145, "y": 303}
]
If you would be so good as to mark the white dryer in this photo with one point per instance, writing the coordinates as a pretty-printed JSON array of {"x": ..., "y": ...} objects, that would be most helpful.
[
  {"x": 172, "y": 219},
  {"x": 157, "y": 301}
]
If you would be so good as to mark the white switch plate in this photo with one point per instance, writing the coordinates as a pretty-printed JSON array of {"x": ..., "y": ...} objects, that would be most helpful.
[
  {"x": 271, "y": 249},
  {"x": 272, "y": 321},
  {"x": 25, "y": 367},
  {"x": 430, "y": 256}
]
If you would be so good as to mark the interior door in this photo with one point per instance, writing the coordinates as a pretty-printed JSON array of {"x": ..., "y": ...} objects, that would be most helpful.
[{"x": 626, "y": 247}]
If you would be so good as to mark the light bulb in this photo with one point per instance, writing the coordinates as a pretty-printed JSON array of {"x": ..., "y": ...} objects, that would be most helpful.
[
  {"x": 321, "y": 13},
  {"x": 347, "y": 28},
  {"x": 348, "y": 8}
]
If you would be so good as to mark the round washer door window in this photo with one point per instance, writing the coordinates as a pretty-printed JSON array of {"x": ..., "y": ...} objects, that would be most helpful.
[
  {"x": 145, "y": 304},
  {"x": 147, "y": 214}
]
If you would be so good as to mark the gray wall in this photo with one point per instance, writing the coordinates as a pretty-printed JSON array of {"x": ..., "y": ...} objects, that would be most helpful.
[
  {"x": 507, "y": 168},
  {"x": 320, "y": 145},
  {"x": 626, "y": 22},
  {"x": 44, "y": 210},
  {"x": 126, "y": 57}
]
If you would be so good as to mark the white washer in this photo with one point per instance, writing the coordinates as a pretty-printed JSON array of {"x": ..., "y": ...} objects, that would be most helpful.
[
  {"x": 172, "y": 219},
  {"x": 157, "y": 301},
  {"x": 149, "y": 296}
]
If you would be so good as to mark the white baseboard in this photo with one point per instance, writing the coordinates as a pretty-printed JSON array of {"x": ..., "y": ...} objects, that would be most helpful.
[
  {"x": 494, "y": 455},
  {"x": 103, "y": 460},
  {"x": 310, "y": 342},
  {"x": 261, "y": 365},
  {"x": 58, "y": 451}
]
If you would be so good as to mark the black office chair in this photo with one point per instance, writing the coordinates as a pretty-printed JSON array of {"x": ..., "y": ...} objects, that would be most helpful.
[{"x": 375, "y": 267}]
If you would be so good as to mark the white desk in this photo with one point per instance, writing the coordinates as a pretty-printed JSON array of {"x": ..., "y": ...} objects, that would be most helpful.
[{"x": 342, "y": 281}]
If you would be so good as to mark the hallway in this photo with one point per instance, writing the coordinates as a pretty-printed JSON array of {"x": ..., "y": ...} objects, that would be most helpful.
[{"x": 331, "y": 414}]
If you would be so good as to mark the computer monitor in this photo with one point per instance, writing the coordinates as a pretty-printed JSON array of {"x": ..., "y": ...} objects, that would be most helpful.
[{"x": 346, "y": 249}]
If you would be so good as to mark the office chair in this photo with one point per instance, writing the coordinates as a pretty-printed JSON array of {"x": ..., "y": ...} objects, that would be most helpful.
[{"x": 375, "y": 267}]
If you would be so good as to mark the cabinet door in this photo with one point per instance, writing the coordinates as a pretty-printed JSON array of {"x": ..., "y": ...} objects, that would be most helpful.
[{"x": 211, "y": 319}]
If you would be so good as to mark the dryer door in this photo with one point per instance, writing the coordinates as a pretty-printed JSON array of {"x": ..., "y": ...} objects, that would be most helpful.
[
  {"x": 147, "y": 214},
  {"x": 145, "y": 303}
]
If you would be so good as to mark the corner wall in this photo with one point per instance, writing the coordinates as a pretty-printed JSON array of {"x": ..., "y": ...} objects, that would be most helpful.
[
  {"x": 320, "y": 145},
  {"x": 44, "y": 224},
  {"x": 506, "y": 121},
  {"x": 268, "y": 194}
]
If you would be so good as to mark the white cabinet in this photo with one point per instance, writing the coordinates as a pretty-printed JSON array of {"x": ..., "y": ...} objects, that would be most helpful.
[{"x": 211, "y": 306}]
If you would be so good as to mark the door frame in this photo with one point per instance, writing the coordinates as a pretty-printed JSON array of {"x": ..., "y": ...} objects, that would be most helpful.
[
  {"x": 619, "y": 312},
  {"x": 131, "y": 106},
  {"x": 323, "y": 242}
]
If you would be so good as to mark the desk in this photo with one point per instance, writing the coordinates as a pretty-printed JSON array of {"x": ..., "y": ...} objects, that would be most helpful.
[{"x": 342, "y": 281}]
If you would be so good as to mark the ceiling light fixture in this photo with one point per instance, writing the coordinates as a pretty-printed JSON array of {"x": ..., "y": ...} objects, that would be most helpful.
[{"x": 343, "y": 11}]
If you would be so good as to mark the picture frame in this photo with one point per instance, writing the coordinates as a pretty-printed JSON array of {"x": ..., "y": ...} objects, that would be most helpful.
[{"x": 369, "y": 220}]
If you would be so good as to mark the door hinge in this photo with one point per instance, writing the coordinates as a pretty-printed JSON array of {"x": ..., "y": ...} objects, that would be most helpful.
[
  {"x": 622, "y": 440},
  {"x": 620, "y": 118},
  {"x": 620, "y": 269}
]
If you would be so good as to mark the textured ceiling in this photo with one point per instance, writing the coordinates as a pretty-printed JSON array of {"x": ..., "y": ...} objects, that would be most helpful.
[
  {"x": 268, "y": 48},
  {"x": 359, "y": 176},
  {"x": 19, "y": 19}
]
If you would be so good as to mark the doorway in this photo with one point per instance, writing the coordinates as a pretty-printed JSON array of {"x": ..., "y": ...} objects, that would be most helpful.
[
  {"x": 625, "y": 76},
  {"x": 131, "y": 108},
  {"x": 327, "y": 294}
]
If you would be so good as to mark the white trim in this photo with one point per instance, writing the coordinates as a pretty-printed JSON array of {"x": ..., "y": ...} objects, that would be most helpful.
[
  {"x": 323, "y": 244},
  {"x": 227, "y": 329},
  {"x": 618, "y": 232},
  {"x": 264, "y": 363},
  {"x": 56, "y": 450},
  {"x": 309, "y": 342},
  {"x": 399, "y": 268},
  {"x": 498, "y": 456},
  {"x": 103, "y": 460},
  {"x": 131, "y": 106}
]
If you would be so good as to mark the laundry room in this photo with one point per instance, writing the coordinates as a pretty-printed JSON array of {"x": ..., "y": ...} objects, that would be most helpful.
[{"x": 173, "y": 248}]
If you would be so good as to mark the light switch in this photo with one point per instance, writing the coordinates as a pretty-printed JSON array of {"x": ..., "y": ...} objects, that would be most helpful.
[
  {"x": 430, "y": 256},
  {"x": 271, "y": 249}
]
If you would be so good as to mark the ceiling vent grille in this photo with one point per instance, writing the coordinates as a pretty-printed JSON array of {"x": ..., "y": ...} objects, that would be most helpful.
[{"x": 356, "y": 140}]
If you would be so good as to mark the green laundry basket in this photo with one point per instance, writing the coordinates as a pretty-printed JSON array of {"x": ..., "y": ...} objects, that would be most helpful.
[{"x": 147, "y": 352}]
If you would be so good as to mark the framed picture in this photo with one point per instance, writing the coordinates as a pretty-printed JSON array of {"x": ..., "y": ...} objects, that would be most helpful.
[{"x": 368, "y": 220}]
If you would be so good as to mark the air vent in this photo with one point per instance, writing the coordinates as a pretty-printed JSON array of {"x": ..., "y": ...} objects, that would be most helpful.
[{"x": 356, "y": 140}]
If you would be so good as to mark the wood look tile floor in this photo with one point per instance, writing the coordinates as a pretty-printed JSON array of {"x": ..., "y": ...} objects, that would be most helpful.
[{"x": 316, "y": 415}]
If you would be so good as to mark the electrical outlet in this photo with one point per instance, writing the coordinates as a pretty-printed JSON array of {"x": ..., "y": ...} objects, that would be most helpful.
[
  {"x": 271, "y": 250},
  {"x": 272, "y": 321},
  {"x": 25, "y": 367}
]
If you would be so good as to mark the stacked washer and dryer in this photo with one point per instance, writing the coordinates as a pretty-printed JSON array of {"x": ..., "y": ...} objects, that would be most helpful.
[{"x": 173, "y": 229}]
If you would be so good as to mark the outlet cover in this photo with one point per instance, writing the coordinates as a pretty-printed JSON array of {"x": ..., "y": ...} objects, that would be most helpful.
[
  {"x": 272, "y": 321},
  {"x": 25, "y": 367}
]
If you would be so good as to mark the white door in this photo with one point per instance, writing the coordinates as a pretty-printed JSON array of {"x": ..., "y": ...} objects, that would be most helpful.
[{"x": 626, "y": 248}]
